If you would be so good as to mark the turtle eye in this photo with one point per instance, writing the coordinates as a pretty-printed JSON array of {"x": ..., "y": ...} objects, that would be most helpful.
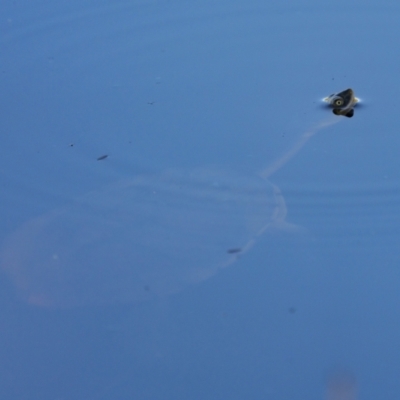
[{"x": 338, "y": 102}]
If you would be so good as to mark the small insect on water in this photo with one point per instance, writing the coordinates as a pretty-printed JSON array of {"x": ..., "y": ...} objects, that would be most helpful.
[{"x": 343, "y": 103}]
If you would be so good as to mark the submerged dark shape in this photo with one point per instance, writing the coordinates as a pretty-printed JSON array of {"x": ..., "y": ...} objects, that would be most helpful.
[
  {"x": 141, "y": 238},
  {"x": 343, "y": 103},
  {"x": 234, "y": 251}
]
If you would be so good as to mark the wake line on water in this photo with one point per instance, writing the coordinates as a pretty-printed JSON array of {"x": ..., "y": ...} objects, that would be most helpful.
[{"x": 305, "y": 137}]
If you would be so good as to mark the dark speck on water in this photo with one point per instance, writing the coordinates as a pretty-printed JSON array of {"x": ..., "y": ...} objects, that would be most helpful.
[
  {"x": 234, "y": 251},
  {"x": 103, "y": 157}
]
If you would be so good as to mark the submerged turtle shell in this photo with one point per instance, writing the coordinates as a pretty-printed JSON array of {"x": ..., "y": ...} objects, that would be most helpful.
[{"x": 147, "y": 237}]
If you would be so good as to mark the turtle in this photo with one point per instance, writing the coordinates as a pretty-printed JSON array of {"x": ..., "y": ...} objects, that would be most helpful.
[
  {"x": 141, "y": 238},
  {"x": 343, "y": 103},
  {"x": 150, "y": 235}
]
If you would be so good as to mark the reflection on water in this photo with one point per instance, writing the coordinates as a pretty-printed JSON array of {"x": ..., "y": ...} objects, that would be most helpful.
[{"x": 342, "y": 386}]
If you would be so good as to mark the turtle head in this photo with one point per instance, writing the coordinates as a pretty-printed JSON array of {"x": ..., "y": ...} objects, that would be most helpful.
[{"x": 342, "y": 102}]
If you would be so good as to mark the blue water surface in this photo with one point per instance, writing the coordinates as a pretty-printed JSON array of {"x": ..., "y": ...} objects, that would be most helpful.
[{"x": 250, "y": 286}]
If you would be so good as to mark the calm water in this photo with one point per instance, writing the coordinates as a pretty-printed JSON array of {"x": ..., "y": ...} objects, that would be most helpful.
[{"x": 248, "y": 287}]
